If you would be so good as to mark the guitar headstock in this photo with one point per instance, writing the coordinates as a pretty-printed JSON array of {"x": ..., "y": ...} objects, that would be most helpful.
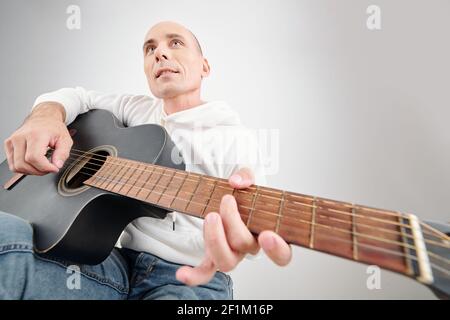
[{"x": 437, "y": 242}]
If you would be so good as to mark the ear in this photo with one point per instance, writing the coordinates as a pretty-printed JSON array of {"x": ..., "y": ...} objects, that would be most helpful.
[{"x": 205, "y": 68}]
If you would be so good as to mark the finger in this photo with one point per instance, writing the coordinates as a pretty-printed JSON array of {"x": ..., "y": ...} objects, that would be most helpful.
[
  {"x": 9, "y": 151},
  {"x": 216, "y": 244},
  {"x": 238, "y": 235},
  {"x": 19, "y": 147},
  {"x": 275, "y": 247},
  {"x": 62, "y": 150},
  {"x": 35, "y": 154},
  {"x": 242, "y": 179},
  {"x": 194, "y": 276}
]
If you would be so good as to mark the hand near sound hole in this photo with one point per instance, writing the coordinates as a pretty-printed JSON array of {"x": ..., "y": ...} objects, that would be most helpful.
[
  {"x": 26, "y": 148},
  {"x": 228, "y": 240}
]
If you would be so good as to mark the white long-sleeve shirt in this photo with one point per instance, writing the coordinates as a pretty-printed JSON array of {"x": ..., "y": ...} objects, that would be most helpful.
[{"x": 212, "y": 141}]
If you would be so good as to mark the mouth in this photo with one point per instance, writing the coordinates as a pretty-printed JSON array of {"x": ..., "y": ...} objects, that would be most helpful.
[{"x": 164, "y": 71}]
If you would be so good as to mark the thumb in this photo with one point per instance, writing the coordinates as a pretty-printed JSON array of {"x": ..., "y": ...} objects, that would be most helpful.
[{"x": 62, "y": 151}]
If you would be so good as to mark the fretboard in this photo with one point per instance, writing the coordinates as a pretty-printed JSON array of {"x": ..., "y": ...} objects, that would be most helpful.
[{"x": 360, "y": 233}]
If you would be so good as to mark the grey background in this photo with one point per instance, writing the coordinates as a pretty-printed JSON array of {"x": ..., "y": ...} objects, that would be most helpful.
[{"x": 362, "y": 114}]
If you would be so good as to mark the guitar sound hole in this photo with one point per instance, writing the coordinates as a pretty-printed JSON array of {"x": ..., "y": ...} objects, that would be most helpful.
[
  {"x": 71, "y": 182},
  {"x": 85, "y": 168}
]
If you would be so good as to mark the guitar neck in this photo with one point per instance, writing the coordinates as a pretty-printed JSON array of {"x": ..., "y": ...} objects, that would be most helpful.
[{"x": 388, "y": 239}]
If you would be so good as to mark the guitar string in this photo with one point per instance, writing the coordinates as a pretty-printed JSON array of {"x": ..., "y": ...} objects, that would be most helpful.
[
  {"x": 296, "y": 232},
  {"x": 327, "y": 236},
  {"x": 187, "y": 193},
  {"x": 242, "y": 206},
  {"x": 432, "y": 231},
  {"x": 442, "y": 259},
  {"x": 378, "y": 211},
  {"x": 302, "y": 212},
  {"x": 211, "y": 199},
  {"x": 270, "y": 213},
  {"x": 81, "y": 153},
  {"x": 396, "y": 215}
]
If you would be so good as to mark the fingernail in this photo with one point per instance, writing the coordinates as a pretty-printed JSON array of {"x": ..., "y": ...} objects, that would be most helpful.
[
  {"x": 59, "y": 163},
  {"x": 236, "y": 178}
]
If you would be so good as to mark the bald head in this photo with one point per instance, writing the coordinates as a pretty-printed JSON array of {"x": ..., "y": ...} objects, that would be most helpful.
[
  {"x": 175, "y": 26},
  {"x": 199, "y": 47},
  {"x": 173, "y": 61}
]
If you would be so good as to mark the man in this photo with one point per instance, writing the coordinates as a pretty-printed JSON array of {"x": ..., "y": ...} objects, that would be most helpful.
[{"x": 150, "y": 263}]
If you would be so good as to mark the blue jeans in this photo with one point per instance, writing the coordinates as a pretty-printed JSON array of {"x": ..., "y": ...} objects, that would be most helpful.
[{"x": 125, "y": 274}]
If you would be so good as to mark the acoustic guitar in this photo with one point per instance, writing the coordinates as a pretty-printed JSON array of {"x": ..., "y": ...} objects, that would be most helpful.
[{"x": 116, "y": 174}]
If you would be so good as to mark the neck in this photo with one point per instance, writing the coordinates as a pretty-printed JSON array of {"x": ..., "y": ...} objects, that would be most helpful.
[
  {"x": 369, "y": 235},
  {"x": 182, "y": 102}
]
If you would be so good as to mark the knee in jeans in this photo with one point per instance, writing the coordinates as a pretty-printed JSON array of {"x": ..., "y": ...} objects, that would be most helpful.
[{"x": 14, "y": 230}]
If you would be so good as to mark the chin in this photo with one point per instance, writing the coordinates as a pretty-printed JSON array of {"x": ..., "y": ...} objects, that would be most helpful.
[{"x": 167, "y": 92}]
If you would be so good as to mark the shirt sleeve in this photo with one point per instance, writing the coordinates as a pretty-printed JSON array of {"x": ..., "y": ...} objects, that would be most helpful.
[{"x": 79, "y": 100}]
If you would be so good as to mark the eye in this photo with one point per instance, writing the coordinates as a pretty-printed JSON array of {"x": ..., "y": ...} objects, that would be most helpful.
[
  {"x": 149, "y": 50},
  {"x": 176, "y": 41}
]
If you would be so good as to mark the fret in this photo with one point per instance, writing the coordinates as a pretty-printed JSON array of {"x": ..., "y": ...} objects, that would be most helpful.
[
  {"x": 123, "y": 178},
  {"x": 332, "y": 228},
  {"x": 201, "y": 197},
  {"x": 154, "y": 184},
  {"x": 137, "y": 181},
  {"x": 280, "y": 211},
  {"x": 295, "y": 226},
  {"x": 313, "y": 223},
  {"x": 379, "y": 239},
  {"x": 186, "y": 193},
  {"x": 143, "y": 191},
  {"x": 202, "y": 214},
  {"x": 219, "y": 190},
  {"x": 117, "y": 177},
  {"x": 355, "y": 240},
  {"x": 140, "y": 181},
  {"x": 265, "y": 210},
  {"x": 179, "y": 189},
  {"x": 252, "y": 208},
  {"x": 192, "y": 196},
  {"x": 244, "y": 199},
  {"x": 129, "y": 182},
  {"x": 164, "y": 186},
  {"x": 172, "y": 188},
  {"x": 111, "y": 173}
]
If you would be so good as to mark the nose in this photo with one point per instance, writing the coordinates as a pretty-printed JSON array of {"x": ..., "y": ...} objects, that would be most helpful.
[{"x": 161, "y": 53}]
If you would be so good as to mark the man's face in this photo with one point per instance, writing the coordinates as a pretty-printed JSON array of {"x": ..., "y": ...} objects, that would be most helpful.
[{"x": 173, "y": 63}]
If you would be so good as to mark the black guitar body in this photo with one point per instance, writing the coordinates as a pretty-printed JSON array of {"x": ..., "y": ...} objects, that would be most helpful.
[{"x": 76, "y": 222}]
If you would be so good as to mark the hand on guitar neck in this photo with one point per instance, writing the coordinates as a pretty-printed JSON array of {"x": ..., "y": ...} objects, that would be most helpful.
[
  {"x": 228, "y": 240},
  {"x": 26, "y": 148}
]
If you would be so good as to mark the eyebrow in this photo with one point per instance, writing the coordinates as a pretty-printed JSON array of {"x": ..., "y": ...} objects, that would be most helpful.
[{"x": 168, "y": 36}]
